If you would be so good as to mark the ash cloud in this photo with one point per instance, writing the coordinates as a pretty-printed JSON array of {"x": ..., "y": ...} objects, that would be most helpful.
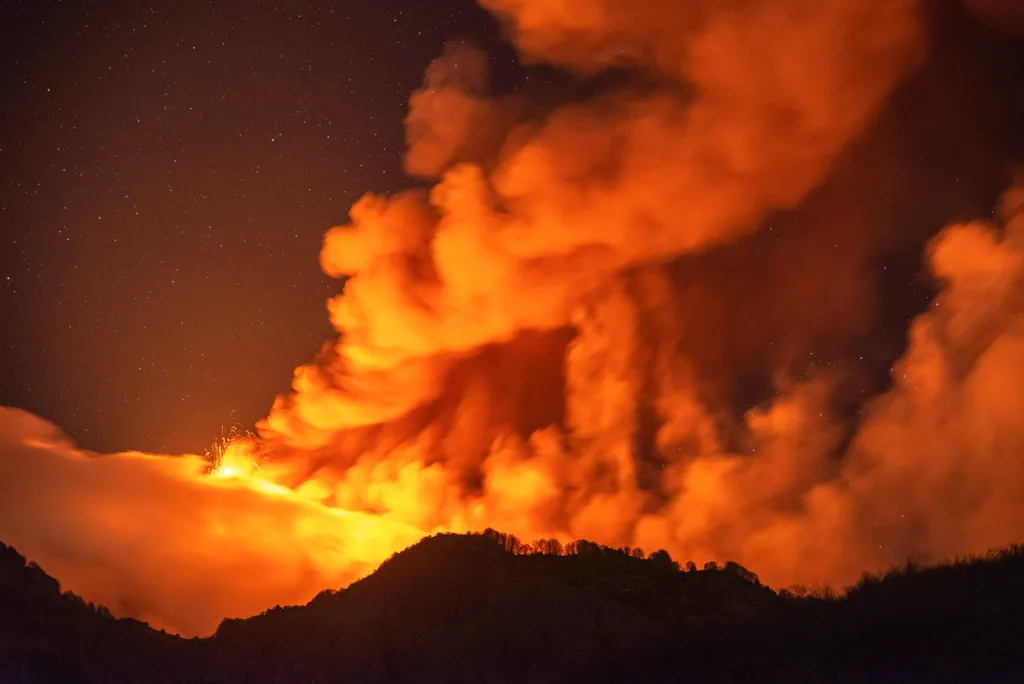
[
  {"x": 152, "y": 537},
  {"x": 756, "y": 102},
  {"x": 720, "y": 294}
]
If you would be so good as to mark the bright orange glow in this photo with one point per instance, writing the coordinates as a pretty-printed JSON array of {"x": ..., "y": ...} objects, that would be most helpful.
[{"x": 234, "y": 458}]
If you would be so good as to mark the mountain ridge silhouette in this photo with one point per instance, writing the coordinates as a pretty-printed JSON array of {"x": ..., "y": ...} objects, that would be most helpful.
[{"x": 487, "y": 607}]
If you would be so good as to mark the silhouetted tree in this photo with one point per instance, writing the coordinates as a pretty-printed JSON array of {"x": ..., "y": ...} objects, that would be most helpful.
[
  {"x": 508, "y": 542},
  {"x": 581, "y": 547},
  {"x": 741, "y": 572},
  {"x": 662, "y": 560},
  {"x": 548, "y": 547}
]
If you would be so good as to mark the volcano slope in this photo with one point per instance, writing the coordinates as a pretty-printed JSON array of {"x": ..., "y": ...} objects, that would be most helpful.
[{"x": 486, "y": 607}]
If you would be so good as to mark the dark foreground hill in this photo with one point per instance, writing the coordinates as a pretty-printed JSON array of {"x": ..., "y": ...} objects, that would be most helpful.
[
  {"x": 484, "y": 608},
  {"x": 50, "y": 636}
]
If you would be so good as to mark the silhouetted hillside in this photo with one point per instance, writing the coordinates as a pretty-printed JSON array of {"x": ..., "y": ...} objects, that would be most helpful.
[
  {"x": 50, "y": 636},
  {"x": 470, "y": 608},
  {"x": 465, "y": 608}
]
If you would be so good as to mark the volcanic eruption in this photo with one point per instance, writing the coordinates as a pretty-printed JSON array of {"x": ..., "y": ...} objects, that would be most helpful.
[{"x": 592, "y": 320}]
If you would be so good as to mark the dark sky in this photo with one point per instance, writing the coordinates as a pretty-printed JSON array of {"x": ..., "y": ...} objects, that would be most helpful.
[{"x": 168, "y": 172}]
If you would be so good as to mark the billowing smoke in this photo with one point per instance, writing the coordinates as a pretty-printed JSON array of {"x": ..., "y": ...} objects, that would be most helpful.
[
  {"x": 641, "y": 317},
  {"x": 156, "y": 538},
  {"x": 735, "y": 110},
  {"x": 745, "y": 107}
]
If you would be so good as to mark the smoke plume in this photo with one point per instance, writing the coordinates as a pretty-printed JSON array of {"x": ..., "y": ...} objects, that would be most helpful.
[
  {"x": 156, "y": 538},
  {"x": 646, "y": 317},
  {"x": 748, "y": 105}
]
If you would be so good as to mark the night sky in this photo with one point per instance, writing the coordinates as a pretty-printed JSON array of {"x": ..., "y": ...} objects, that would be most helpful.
[{"x": 168, "y": 173}]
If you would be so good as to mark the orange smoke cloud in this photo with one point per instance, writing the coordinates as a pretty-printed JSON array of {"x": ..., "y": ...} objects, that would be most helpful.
[
  {"x": 743, "y": 110},
  {"x": 748, "y": 106},
  {"x": 453, "y": 119},
  {"x": 526, "y": 345},
  {"x": 156, "y": 538},
  {"x": 937, "y": 462}
]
